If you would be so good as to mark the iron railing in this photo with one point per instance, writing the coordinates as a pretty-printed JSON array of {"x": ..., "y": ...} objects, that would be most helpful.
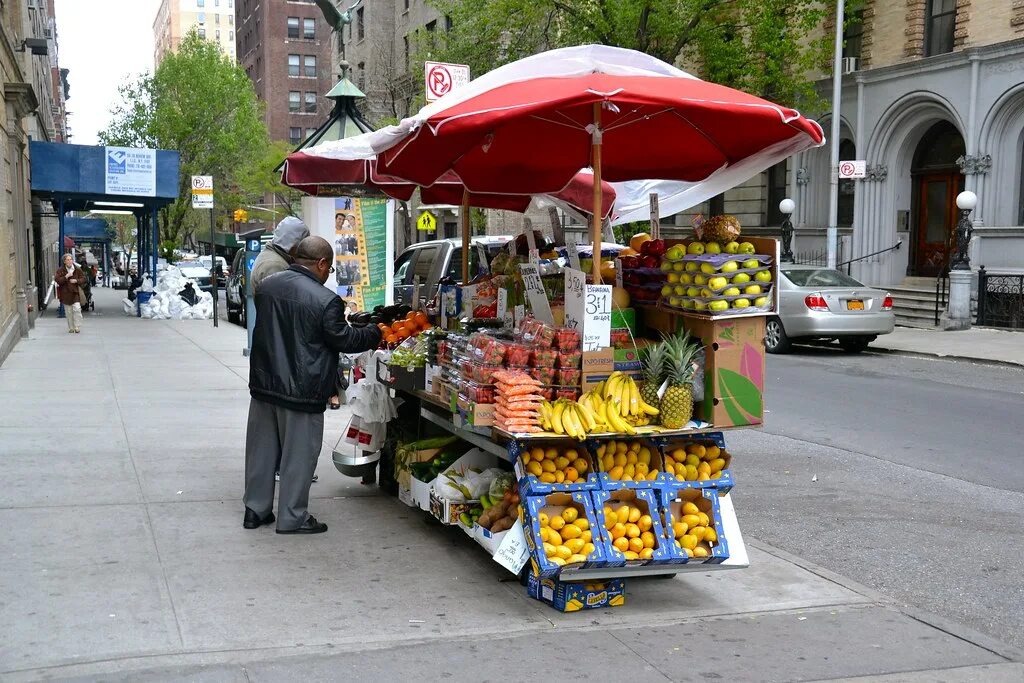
[
  {"x": 1000, "y": 299},
  {"x": 820, "y": 258},
  {"x": 941, "y": 292}
]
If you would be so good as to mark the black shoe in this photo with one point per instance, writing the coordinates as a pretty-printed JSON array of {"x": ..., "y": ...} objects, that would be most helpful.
[
  {"x": 253, "y": 521},
  {"x": 310, "y": 526}
]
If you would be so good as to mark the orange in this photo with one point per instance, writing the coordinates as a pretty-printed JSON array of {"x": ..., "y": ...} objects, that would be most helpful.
[
  {"x": 636, "y": 545},
  {"x": 621, "y": 544}
]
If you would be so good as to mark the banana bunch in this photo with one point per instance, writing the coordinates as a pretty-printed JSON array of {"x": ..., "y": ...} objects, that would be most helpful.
[
  {"x": 568, "y": 417},
  {"x": 621, "y": 390},
  {"x": 608, "y": 412}
]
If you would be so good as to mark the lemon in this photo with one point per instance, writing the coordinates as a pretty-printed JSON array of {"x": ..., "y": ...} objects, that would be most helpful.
[
  {"x": 644, "y": 522},
  {"x": 621, "y": 447},
  {"x": 562, "y": 552},
  {"x": 571, "y": 531},
  {"x": 704, "y": 520},
  {"x": 647, "y": 554},
  {"x": 549, "y": 549},
  {"x": 559, "y": 477},
  {"x": 689, "y": 508},
  {"x": 712, "y": 451},
  {"x": 557, "y": 560},
  {"x": 717, "y": 464},
  {"x": 697, "y": 531},
  {"x": 576, "y": 558},
  {"x": 547, "y": 478},
  {"x": 588, "y": 548},
  {"x": 620, "y": 460},
  {"x": 545, "y": 534},
  {"x": 692, "y": 459},
  {"x": 580, "y": 464},
  {"x": 689, "y": 542},
  {"x": 632, "y": 530},
  {"x": 556, "y": 522},
  {"x": 535, "y": 468},
  {"x": 570, "y": 514},
  {"x": 652, "y": 475},
  {"x": 631, "y": 458},
  {"x": 678, "y": 529},
  {"x": 710, "y": 535},
  {"x": 696, "y": 449},
  {"x": 621, "y": 544},
  {"x": 644, "y": 455},
  {"x": 629, "y": 470},
  {"x": 690, "y": 520},
  {"x": 630, "y": 555},
  {"x": 582, "y": 522},
  {"x": 680, "y": 470},
  {"x": 635, "y": 514},
  {"x": 575, "y": 544},
  {"x": 586, "y": 536},
  {"x": 700, "y": 552},
  {"x": 551, "y": 454},
  {"x": 636, "y": 545},
  {"x": 618, "y": 531},
  {"x": 691, "y": 473},
  {"x": 615, "y": 473},
  {"x": 647, "y": 538},
  {"x": 554, "y": 538},
  {"x": 543, "y": 519},
  {"x": 562, "y": 462}
]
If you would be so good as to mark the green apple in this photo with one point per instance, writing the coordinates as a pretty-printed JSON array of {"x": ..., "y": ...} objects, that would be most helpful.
[
  {"x": 712, "y": 248},
  {"x": 675, "y": 252},
  {"x": 679, "y": 290},
  {"x": 747, "y": 248},
  {"x": 741, "y": 303},
  {"x": 700, "y": 280},
  {"x": 693, "y": 291},
  {"x": 686, "y": 303},
  {"x": 697, "y": 248},
  {"x": 707, "y": 269},
  {"x": 679, "y": 266},
  {"x": 731, "y": 291},
  {"x": 673, "y": 301},
  {"x": 692, "y": 266},
  {"x": 706, "y": 293},
  {"x": 666, "y": 266},
  {"x": 740, "y": 278},
  {"x": 719, "y": 305},
  {"x": 732, "y": 248},
  {"x": 718, "y": 282},
  {"x": 763, "y": 276},
  {"x": 685, "y": 278},
  {"x": 752, "y": 289},
  {"x": 761, "y": 301},
  {"x": 667, "y": 290},
  {"x": 751, "y": 263},
  {"x": 673, "y": 278},
  {"x": 729, "y": 266}
]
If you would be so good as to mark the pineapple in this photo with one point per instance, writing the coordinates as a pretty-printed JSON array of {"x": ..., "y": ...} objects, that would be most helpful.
[
  {"x": 654, "y": 374},
  {"x": 677, "y": 403},
  {"x": 719, "y": 229}
]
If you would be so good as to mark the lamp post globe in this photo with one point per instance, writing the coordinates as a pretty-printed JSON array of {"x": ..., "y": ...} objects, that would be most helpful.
[
  {"x": 966, "y": 200},
  {"x": 787, "y": 206}
]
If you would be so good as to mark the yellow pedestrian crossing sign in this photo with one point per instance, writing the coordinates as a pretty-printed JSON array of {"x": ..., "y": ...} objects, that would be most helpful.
[{"x": 426, "y": 222}]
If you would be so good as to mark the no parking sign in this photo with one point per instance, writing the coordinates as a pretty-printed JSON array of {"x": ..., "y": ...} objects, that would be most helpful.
[
  {"x": 853, "y": 169},
  {"x": 442, "y": 78}
]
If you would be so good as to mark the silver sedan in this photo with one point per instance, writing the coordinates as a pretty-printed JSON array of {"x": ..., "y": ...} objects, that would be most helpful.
[{"x": 823, "y": 304}]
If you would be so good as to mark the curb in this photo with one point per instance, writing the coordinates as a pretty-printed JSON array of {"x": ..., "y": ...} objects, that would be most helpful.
[{"x": 941, "y": 356}]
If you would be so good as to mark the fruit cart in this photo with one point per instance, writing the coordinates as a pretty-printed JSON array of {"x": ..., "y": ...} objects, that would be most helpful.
[{"x": 589, "y": 420}]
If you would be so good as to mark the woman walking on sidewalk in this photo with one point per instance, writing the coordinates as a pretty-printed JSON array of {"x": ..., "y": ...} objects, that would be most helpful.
[{"x": 70, "y": 279}]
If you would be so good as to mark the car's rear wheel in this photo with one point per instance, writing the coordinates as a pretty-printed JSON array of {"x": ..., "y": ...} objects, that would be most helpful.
[
  {"x": 775, "y": 338},
  {"x": 855, "y": 344}
]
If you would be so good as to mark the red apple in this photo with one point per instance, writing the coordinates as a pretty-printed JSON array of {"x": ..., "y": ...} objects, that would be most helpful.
[
  {"x": 649, "y": 261},
  {"x": 655, "y": 247}
]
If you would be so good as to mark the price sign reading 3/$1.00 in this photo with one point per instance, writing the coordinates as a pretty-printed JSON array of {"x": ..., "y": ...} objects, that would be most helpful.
[{"x": 588, "y": 310}]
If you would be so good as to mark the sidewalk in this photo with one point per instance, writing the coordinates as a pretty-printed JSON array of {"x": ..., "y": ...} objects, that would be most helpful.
[
  {"x": 124, "y": 557},
  {"x": 978, "y": 343}
]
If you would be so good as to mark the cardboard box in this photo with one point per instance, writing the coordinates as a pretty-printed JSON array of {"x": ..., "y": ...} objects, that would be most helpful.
[
  {"x": 552, "y": 504},
  {"x": 487, "y": 540},
  {"x": 649, "y": 503},
  {"x": 447, "y": 511},
  {"x": 477, "y": 414},
  {"x": 733, "y": 369},
  {"x": 706, "y": 500},
  {"x": 598, "y": 365},
  {"x": 571, "y": 597},
  {"x": 530, "y": 484},
  {"x": 420, "y": 493},
  {"x": 723, "y": 483}
]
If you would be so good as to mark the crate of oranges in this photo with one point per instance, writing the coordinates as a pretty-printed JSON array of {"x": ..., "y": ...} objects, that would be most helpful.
[
  {"x": 693, "y": 520},
  {"x": 561, "y": 531},
  {"x": 628, "y": 463},
  {"x": 403, "y": 328},
  {"x": 547, "y": 467},
  {"x": 631, "y": 527}
]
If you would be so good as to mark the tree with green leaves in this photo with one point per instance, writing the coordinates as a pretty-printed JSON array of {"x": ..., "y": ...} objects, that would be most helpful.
[
  {"x": 122, "y": 230},
  {"x": 764, "y": 47},
  {"x": 202, "y": 104}
]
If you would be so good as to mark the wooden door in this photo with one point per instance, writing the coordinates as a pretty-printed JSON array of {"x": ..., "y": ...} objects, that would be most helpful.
[{"x": 937, "y": 215}]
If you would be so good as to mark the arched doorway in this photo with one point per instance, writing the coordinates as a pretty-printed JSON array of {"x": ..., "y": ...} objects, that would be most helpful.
[{"x": 937, "y": 180}]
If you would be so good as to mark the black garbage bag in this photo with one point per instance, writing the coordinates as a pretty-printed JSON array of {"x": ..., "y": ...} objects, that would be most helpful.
[{"x": 188, "y": 295}]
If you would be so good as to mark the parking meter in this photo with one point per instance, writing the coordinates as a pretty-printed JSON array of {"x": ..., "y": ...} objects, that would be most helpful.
[{"x": 252, "y": 250}]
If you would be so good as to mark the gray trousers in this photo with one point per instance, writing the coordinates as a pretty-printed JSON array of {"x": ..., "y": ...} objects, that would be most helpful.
[{"x": 292, "y": 438}]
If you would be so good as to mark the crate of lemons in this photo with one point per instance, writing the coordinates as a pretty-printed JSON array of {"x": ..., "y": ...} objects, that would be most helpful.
[
  {"x": 628, "y": 464},
  {"x": 699, "y": 463},
  {"x": 562, "y": 531},
  {"x": 693, "y": 521},
  {"x": 550, "y": 467},
  {"x": 633, "y": 532},
  {"x": 570, "y": 596}
]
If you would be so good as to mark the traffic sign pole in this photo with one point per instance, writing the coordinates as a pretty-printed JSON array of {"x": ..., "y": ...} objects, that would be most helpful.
[
  {"x": 213, "y": 269},
  {"x": 202, "y": 198}
]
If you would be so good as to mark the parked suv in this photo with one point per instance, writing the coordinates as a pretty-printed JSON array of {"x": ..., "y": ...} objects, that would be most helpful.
[{"x": 438, "y": 260}]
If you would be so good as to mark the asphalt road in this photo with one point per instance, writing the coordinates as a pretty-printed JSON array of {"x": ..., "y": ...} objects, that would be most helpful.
[{"x": 905, "y": 474}]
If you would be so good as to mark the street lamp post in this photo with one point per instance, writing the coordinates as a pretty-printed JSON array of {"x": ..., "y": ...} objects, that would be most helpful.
[
  {"x": 958, "y": 314},
  {"x": 787, "y": 206},
  {"x": 832, "y": 235}
]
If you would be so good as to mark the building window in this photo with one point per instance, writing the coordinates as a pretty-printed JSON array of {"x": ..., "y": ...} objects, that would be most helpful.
[
  {"x": 405, "y": 48},
  {"x": 361, "y": 75},
  {"x": 217, "y": 34},
  {"x": 231, "y": 19},
  {"x": 310, "y": 132},
  {"x": 405, "y": 5},
  {"x": 216, "y": 18},
  {"x": 202, "y": 32},
  {"x": 360, "y": 25},
  {"x": 231, "y": 3},
  {"x": 202, "y": 17},
  {"x": 309, "y": 28},
  {"x": 231, "y": 35},
  {"x": 294, "y": 101},
  {"x": 776, "y": 193},
  {"x": 310, "y": 102},
  {"x": 940, "y": 22},
  {"x": 853, "y": 34},
  {"x": 293, "y": 28},
  {"x": 310, "y": 66},
  {"x": 200, "y": 3},
  {"x": 293, "y": 65},
  {"x": 295, "y": 135}
]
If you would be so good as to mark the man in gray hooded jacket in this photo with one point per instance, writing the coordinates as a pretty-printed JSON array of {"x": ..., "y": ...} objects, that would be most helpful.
[{"x": 278, "y": 254}]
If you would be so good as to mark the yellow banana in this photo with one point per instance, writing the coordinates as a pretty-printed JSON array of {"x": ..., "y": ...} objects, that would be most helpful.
[
  {"x": 556, "y": 418},
  {"x": 546, "y": 412},
  {"x": 571, "y": 422},
  {"x": 634, "y": 397},
  {"x": 623, "y": 399},
  {"x": 589, "y": 419},
  {"x": 599, "y": 389},
  {"x": 615, "y": 420},
  {"x": 611, "y": 387},
  {"x": 647, "y": 409}
]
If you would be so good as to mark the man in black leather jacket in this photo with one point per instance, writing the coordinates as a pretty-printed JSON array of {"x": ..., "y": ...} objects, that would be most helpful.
[{"x": 293, "y": 369}]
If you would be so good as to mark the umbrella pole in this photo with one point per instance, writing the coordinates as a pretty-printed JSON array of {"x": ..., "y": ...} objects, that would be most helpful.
[
  {"x": 465, "y": 237},
  {"x": 595, "y": 219}
]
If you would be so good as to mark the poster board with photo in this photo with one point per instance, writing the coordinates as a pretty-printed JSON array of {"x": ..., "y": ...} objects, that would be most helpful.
[{"x": 360, "y": 259}]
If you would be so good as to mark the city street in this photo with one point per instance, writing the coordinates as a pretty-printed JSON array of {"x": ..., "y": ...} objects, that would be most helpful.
[{"x": 902, "y": 473}]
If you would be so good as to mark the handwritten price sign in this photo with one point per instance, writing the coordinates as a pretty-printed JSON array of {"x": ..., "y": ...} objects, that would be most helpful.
[
  {"x": 536, "y": 294},
  {"x": 512, "y": 553},
  {"x": 575, "y": 303},
  {"x": 588, "y": 308}
]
